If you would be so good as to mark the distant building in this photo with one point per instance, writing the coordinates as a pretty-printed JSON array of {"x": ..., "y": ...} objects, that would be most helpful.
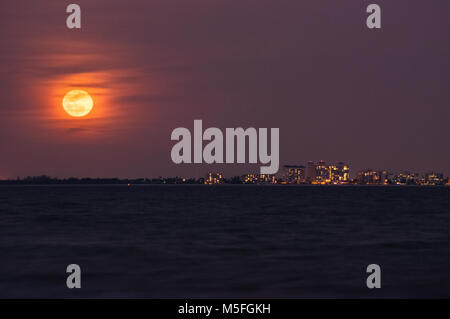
[
  {"x": 294, "y": 174},
  {"x": 368, "y": 177},
  {"x": 384, "y": 177},
  {"x": 249, "y": 179},
  {"x": 334, "y": 174},
  {"x": 267, "y": 179},
  {"x": 258, "y": 179},
  {"x": 339, "y": 174},
  {"x": 322, "y": 173},
  {"x": 343, "y": 172},
  {"x": 214, "y": 178},
  {"x": 406, "y": 178},
  {"x": 434, "y": 179},
  {"x": 311, "y": 172}
]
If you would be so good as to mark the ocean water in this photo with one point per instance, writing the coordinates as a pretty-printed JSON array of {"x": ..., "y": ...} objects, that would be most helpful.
[{"x": 224, "y": 241}]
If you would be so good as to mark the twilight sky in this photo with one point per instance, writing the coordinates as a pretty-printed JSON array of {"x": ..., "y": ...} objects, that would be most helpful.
[{"x": 337, "y": 90}]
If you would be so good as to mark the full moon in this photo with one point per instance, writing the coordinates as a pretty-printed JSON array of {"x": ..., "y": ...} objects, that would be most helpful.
[{"x": 77, "y": 103}]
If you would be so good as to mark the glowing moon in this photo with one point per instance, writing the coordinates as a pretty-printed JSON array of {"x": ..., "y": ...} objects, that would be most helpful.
[{"x": 78, "y": 103}]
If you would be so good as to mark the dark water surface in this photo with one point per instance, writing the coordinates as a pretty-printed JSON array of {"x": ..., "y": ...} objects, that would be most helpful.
[{"x": 230, "y": 241}]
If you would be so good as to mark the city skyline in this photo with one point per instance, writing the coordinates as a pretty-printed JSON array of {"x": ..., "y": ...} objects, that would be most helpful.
[{"x": 313, "y": 173}]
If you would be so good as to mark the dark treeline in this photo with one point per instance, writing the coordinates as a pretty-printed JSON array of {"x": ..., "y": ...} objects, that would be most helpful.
[{"x": 47, "y": 180}]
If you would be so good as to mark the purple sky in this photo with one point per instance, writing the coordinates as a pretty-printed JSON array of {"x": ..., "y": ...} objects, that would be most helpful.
[{"x": 337, "y": 90}]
